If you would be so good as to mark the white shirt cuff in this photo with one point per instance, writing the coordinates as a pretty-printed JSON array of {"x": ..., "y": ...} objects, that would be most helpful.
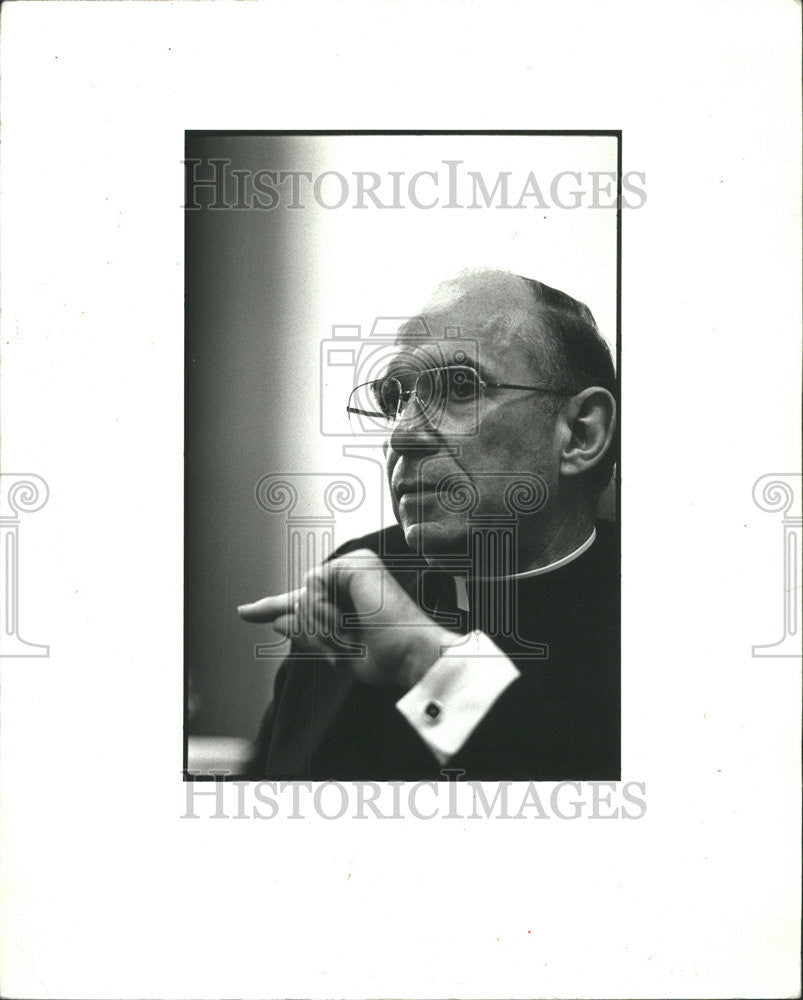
[{"x": 456, "y": 693}]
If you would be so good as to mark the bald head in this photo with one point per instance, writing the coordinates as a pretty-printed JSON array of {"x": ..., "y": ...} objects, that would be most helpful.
[
  {"x": 494, "y": 291},
  {"x": 492, "y": 306}
]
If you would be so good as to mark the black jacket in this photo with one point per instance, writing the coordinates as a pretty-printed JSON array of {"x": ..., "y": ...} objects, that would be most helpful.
[{"x": 559, "y": 720}]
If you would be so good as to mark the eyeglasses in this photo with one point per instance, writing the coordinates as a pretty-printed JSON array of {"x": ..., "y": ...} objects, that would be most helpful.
[{"x": 457, "y": 389}]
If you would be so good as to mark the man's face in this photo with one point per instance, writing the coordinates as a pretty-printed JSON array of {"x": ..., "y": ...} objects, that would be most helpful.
[{"x": 507, "y": 437}]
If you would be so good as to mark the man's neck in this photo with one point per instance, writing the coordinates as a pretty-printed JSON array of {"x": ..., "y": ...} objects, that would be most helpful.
[
  {"x": 461, "y": 581},
  {"x": 563, "y": 561},
  {"x": 566, "y": 537},
  {"x": 552, "y": 544}
]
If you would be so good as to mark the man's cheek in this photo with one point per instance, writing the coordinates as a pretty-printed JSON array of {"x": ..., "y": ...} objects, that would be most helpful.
[
  {"x": 390, "y": 464},
  {"x": 395, "y": 507}
]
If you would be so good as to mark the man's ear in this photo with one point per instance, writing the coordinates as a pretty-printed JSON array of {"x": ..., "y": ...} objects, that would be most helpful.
[{"x": 589, "y": 425}]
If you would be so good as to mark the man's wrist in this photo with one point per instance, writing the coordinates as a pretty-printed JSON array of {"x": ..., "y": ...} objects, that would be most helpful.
[{"x": 423, "y": 653}]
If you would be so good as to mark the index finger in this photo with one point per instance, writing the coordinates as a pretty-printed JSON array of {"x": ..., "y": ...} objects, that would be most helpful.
[{"x": 268, "y": 609}]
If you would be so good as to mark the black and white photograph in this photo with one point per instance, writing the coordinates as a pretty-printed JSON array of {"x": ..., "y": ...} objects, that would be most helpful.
[
  {"x": 472, "y": 425},
  {"x": 400, "y": 500}
]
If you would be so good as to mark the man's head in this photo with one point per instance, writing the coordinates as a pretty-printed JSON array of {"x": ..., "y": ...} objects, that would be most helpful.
[{"x": 559, "y": 431}]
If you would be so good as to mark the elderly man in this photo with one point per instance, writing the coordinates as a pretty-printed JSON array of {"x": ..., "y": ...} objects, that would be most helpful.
[{"x": 482, "y": 632}]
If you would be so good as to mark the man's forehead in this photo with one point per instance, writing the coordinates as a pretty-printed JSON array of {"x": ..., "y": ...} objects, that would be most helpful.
[
  {"x": 431, "y": 352},
  {"x": 492, "y": 339},
  {"x": 491, "y": 308}
]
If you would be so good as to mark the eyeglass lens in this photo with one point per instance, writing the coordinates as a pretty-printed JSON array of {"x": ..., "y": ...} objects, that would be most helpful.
[{"x": 433, "y": 389}]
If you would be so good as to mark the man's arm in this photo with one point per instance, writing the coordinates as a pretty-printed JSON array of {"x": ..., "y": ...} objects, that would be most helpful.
[
  {"x": 456, "y": 693},
  {"x": 448, "y": 683}
]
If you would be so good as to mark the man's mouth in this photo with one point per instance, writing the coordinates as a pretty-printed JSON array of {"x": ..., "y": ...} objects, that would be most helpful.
[
  {"x": 410, "y": 491},
  {"x": 419, "y": 503}
]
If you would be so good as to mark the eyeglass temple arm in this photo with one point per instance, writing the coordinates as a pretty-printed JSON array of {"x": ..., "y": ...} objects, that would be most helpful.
[
  {"x": 530, "y": 388},
  {"x": 364, "y": 413}
]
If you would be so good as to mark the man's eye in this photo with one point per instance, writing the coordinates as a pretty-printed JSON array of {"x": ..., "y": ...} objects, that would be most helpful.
[
  {"x": 386, "y": 396},
  {"x": 463, "y": 385}
]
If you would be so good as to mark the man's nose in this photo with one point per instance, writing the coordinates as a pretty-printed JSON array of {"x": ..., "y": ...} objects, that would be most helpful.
[{"x": 413, "y": 430}]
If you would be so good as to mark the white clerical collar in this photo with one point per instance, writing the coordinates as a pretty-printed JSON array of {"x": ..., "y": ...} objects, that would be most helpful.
[
  {"x": 460, "y": 581},
  {"x": 560, "y": 562}
]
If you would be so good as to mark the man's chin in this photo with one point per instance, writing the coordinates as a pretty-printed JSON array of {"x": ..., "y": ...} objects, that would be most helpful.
[{"x": 433, "y": 539}]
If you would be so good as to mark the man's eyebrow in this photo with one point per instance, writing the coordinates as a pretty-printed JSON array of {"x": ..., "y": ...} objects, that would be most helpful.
[
  {"x": 407, "y": 367},
  {"x": 477, "y": 366},
  {"x": 400, "y": 367},
  {"x": 406, "y": 362}
]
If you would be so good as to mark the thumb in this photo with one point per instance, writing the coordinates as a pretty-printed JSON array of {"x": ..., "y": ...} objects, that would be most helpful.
[{"x": 370, "y": 587}]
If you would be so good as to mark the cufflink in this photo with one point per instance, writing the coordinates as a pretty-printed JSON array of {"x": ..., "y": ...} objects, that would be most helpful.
[{"x": 432, "y": 711}]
